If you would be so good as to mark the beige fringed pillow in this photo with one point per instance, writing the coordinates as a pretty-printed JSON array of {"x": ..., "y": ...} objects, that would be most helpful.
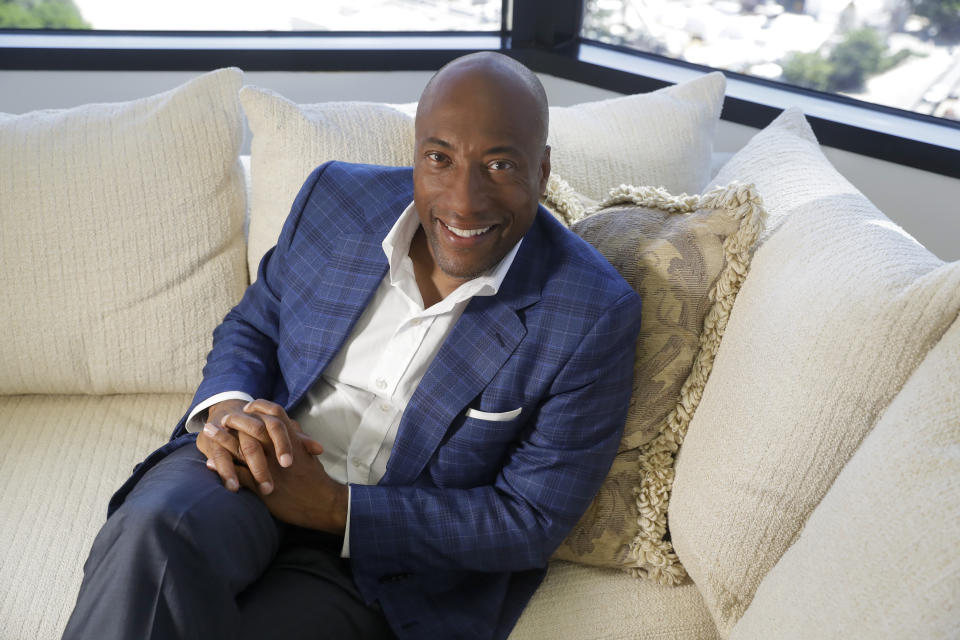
[{"x": 686, "y": 256}]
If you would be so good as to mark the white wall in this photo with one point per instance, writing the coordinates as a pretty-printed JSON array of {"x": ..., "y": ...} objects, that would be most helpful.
[{"x": 923, "y": 203}]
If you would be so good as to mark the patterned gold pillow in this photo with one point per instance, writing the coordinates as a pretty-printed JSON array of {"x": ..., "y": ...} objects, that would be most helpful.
[{"x": 686, "y": 256}]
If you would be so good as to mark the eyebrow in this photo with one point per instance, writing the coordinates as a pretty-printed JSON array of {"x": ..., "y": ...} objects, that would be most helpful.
[
  {"x": 439, "y": 142},
  {"x": 505, "y": 148}
]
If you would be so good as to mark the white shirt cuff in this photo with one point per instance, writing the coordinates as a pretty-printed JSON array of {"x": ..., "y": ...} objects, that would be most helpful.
[
  {"x": 195, "y": 420},
  {"x": 345, "y": 551}
]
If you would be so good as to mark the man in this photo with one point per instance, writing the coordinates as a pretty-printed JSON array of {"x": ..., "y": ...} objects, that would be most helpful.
[{"x": 456, "y": 372}]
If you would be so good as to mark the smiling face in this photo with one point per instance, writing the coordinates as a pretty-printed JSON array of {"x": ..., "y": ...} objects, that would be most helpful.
[{"x": 481, "y": 165}]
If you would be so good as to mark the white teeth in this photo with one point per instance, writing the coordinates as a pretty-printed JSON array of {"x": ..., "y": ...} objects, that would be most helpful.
[{"x": 467, "y": 233}]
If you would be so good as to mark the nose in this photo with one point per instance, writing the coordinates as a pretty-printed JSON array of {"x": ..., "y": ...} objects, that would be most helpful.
[{"x": 468, "y": 192}]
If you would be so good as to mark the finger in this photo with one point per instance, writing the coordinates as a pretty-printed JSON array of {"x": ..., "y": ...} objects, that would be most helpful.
[
  {"x": 247, "y": 480},
  {"x": 252, "y": 425},
  {"x": 222, "y": 437},
  {"x": 223, "y": 465},
  {"x": 280, "y": 438},
  {"x": 260, "y": 405},
  {"x": 265, "y": 407},
  {"x": 256, "y": 460},
  {"x": 313, "y": 447},
  {"x": 219, "y": 459}
]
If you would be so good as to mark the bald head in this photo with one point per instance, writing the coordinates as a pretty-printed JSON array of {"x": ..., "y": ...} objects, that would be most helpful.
[
  {"x": 496, "y": 81},
  {"x": 481, "y": 163}
]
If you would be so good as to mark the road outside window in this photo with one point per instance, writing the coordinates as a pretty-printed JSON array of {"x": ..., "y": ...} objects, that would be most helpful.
[{"x": 899, "y": 53}]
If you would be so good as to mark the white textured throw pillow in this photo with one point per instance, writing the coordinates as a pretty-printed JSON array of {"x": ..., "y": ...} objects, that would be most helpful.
[
  {"x": 880, "y": 555},
  {"x": 122, "y": 239},
  {"x": 840, "y": 307},
  {"x": 663, "y": 138}
]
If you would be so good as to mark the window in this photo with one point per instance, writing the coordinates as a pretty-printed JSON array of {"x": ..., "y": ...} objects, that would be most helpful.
[
  {"x": 898, "y": 53},
  {"x": 254, "y": 15},
  {"x": 603, "y": 43}
]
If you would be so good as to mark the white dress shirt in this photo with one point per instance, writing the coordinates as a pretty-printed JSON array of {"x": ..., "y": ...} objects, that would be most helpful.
[{"x": 354, "y": 408}]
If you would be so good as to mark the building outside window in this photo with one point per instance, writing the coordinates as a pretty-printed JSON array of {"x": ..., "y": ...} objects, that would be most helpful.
[{"x": 899, "y": 53}]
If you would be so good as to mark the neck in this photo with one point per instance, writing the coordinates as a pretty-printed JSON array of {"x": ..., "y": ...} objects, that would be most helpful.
[{"x": 433, "y": 283}]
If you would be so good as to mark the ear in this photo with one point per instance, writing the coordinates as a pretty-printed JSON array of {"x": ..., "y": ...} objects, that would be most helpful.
[{"x": 544, "y": 170}]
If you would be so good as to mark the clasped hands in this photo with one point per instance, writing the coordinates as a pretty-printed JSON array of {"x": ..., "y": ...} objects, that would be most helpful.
[{"x": 258, "y": 446}]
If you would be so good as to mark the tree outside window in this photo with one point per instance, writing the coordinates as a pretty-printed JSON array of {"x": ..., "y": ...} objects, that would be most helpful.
[{"x": 40, "y": 14}]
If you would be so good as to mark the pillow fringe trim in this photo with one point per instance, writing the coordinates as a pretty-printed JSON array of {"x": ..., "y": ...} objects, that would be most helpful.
[{"x": 649, "y": 556}]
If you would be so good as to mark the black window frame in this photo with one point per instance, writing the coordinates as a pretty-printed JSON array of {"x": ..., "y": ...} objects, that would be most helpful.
[{"x": 543, "y": 34}]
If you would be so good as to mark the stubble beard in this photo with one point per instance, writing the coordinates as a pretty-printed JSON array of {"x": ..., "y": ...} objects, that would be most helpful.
[{"x": 449, "y": 267}]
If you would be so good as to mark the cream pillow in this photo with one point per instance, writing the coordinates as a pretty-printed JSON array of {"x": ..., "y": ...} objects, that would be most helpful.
[
  {"x": 122, "y": 240},
  {"x": 290, "y": 140},
  {"x": 663, "y": 138},
  {"x": 880, "y": 555},
  {"x": 780, "y": 161},
  {"x": 840, "y": 307},
  {"x": 686, "y": 256}
]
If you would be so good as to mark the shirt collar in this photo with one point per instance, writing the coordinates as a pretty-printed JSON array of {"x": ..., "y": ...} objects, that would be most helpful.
[{"x": 396, "y": 246}]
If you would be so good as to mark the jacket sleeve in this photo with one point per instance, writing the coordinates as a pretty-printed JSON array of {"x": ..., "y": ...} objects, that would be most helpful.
[
  {"x": 244, "y": 353},
  {"x": 547, "y": 481}
]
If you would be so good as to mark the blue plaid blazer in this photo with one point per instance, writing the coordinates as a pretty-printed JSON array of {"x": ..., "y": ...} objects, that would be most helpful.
[{"x": 455, "y": 538}]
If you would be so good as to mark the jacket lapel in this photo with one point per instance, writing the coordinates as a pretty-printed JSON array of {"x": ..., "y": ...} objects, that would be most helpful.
[
  {"x": 477, "y": 348},
  {"x": 335, "y": 299}
]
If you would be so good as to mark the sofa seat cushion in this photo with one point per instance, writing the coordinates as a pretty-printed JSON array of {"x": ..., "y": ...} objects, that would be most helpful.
[
  {"x": 576, "y": 602},
  {"x": 61, "y": 458},
  {"x": 880, "y": 555},
  {"x": 839, "y": 308}
]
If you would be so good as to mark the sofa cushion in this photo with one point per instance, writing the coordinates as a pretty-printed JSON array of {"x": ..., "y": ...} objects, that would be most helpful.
[
  {"x": 290, "y": 140},
  {"x": 686, "y": 256},
  {"x": 840, "y": 307},
  {"x": 61, "y": 458},
  {"x": 781, "y": 161},
  {"x": 878, "y": 557},
  {"x": 122, "y": 239},
  {"x": 662, "y": 138},
  {"x": 576, "y": 602}
]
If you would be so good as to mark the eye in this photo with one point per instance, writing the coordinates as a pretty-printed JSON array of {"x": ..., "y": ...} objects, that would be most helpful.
[
  {"x": 435, "y": 156},
  {"x": 501, "y": 165}
]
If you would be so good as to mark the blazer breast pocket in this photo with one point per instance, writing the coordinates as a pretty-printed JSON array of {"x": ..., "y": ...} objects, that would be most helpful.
[
  {"x": 472, "y": 453},
  {"x": 504, "y": 416}
]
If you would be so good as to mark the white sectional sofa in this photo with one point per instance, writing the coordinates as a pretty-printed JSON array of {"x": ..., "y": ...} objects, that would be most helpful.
[{"x": 817, "y": 489}]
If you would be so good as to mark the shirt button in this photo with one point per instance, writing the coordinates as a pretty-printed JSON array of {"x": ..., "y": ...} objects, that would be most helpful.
[
  {"x": 356, "y": 461},
  {"x": 385, "y": 407},
  {"x": 415, "y": 322},
  {"x": 381, "y": 383}
]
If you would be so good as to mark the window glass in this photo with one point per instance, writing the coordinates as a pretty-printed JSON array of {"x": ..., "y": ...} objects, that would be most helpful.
[
  {"x": 899, "y": 53},
  {"x": 253, "y": 15}
]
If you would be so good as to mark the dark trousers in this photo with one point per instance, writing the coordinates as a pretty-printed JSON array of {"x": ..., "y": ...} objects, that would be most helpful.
[{"x": 185, "y": 558}]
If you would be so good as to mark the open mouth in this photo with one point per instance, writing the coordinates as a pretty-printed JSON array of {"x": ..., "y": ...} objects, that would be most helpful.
[{"x": 466, "y": 233}]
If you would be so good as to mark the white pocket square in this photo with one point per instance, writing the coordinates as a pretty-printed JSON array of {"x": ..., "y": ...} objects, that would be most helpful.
[{"x": 495, "y": 417}]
